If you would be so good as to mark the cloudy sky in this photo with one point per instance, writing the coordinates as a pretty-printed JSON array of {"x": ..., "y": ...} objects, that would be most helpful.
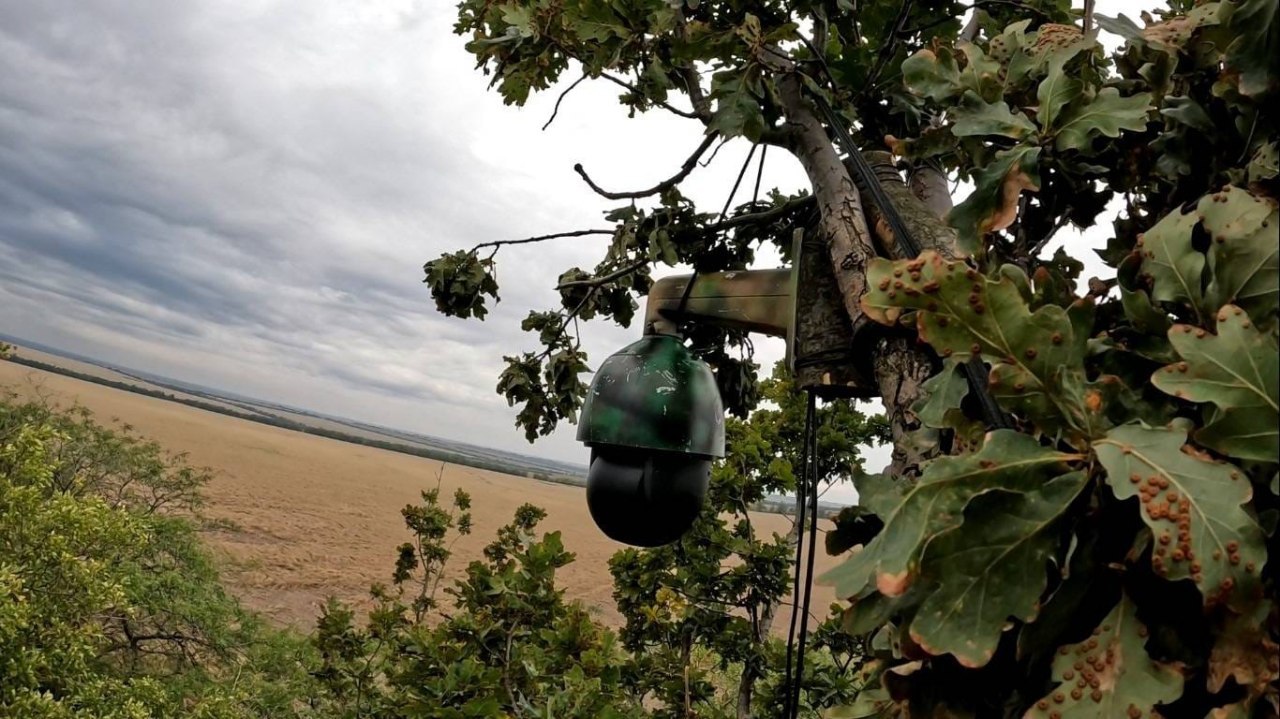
[{"x": 242, "y": 193}]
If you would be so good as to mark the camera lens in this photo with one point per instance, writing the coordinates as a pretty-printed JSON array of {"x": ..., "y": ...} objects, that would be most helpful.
[{"x": 645, "y": 498}]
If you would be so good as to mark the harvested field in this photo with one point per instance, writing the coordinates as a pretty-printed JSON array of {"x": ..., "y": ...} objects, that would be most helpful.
[{"x": 316, "y": 517}]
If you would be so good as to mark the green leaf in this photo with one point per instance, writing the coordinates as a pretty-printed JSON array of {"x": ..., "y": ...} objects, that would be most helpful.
[
  {"x": 520, "y": 18},
  {"x": 1252, "y": 56},
  {"x": 1235, "y": 368},
  {"x": 1120, "y": 25},
  {"x": 737, "y": 110},
  {"x": 1249, "y": 433},
  {"x": 1174, "y": 265},
  {"x": 1238, "y": 370},
  {"x": 976, "y": 117},
  {"x": 1107, "y": 114},
  {"x": 1244, "y": 257},
  {"x": 891, "y": 562},
  {"x": 1193, "y": 506},
  {"x": 459, "y": 281},
  {"x": 935, "y": 76},
  {"x": 943, "y": 393},
  {"x": 1188, "y": 112},
  {"x": 991, "y": 568},
  {"x": 981, "y": 74},
  {"x": 1058, "y": 89},
  {"x": 1109, "y": 674},
  {"x": 993, "y": 205},
  {"x": 1037, "y": 357}
]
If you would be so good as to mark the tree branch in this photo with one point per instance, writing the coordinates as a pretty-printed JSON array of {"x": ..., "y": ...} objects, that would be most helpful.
[
  {"x": 692, "y": 81},
  {"x": 541, "y": 238},
  {"x": 556, "y": 110},
  {"x": 656, "y": 103},
  {"x": 604, "y": 279},
  {"x": 689, "y": 164},
  {"x": 764, "y": 216}
]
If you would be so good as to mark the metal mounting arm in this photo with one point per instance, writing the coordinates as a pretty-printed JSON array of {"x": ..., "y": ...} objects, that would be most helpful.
[
  {"x": 752, "y": 300},
  {"x": 801, "y": 305}
]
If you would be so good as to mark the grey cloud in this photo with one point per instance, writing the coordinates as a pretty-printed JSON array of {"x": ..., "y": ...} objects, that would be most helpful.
[
  {"x": 242, "y": 194},
  {"x": 207, "y": 190}
]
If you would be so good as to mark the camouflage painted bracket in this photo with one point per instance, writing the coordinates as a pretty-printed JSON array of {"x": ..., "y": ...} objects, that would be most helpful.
[{"x": 801, "y": 305}]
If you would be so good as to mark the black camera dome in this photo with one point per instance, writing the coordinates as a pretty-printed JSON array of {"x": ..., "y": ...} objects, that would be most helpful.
[{"x": 644, "y": 497}]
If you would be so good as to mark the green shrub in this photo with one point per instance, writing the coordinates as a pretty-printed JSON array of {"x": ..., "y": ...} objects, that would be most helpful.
[{"x": 109, "y": 605}]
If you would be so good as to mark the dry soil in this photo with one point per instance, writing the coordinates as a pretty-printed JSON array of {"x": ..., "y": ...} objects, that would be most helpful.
[{"x": 316, "y": 517}]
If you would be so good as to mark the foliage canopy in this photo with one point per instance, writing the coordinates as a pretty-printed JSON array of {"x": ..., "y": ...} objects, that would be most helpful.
[{"x": 1127, "y": 517}]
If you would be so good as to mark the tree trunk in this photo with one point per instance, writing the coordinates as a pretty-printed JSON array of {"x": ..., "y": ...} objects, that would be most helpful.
[{"x": 900, "y": 366}]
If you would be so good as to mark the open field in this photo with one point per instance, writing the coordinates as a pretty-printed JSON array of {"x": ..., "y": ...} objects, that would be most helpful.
[{"x": 316, "y": 517}]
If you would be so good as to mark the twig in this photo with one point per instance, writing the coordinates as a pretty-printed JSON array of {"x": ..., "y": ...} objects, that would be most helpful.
[
  {"x": 689, "y": 164},
  {"x": 594, "y": 285},
  {"x": 692, "y": 80},
  {"x": 604, "y": 279},
  {"x": 541, "y": 238},
  {"x": 709, "y": 160},
  {"x": 556, "y": 110},
  {"x": 656, "y": 103},
  {"x": 763, "y": 216},
  {"x": 1087, "y": 21}
]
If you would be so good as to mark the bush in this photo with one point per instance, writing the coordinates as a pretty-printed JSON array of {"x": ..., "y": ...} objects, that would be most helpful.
[{"x": 109, "y": 606}]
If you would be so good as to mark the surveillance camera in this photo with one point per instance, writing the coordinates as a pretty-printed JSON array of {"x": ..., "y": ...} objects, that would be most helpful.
[
  {"x": 646, "y": 498},
  {"x": 654, "y": 422}
]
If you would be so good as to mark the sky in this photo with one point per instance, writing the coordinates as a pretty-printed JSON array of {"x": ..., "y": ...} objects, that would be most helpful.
[{"x": 242, "y": 194}]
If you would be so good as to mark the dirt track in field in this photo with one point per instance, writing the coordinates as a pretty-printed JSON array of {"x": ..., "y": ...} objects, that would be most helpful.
[{"x": 316, "y": 517}]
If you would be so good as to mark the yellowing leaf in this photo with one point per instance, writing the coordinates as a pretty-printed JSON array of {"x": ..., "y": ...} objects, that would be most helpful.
[
  {"x": 1244, "y": 652},
  {"x": 935, "y": 76},
  {"x": 993, "y": 205}
]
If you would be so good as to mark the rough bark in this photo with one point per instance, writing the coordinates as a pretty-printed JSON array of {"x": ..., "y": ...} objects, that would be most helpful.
[
  {"x": 899, "y": 366},
  {"x": 931, "y": 186},
  {"x": 920, "y": 219},
  {"x": 823, "y": 356},
  {"x": 842, "y": 224},
  {"x": 900, "y": 371}
]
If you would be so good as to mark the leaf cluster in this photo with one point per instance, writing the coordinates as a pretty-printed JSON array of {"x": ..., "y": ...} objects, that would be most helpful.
[{"x": 1108, "y": 554}]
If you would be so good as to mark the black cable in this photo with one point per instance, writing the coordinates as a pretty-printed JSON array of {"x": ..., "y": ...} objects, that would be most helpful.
[
  {"x": 881, "y": 199},
  {"x": 802, "y": 502},
  {"x": 974, "y": 371},
  {"x": 811, "y": 474},
  {"x": 688, "y": 288}
]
